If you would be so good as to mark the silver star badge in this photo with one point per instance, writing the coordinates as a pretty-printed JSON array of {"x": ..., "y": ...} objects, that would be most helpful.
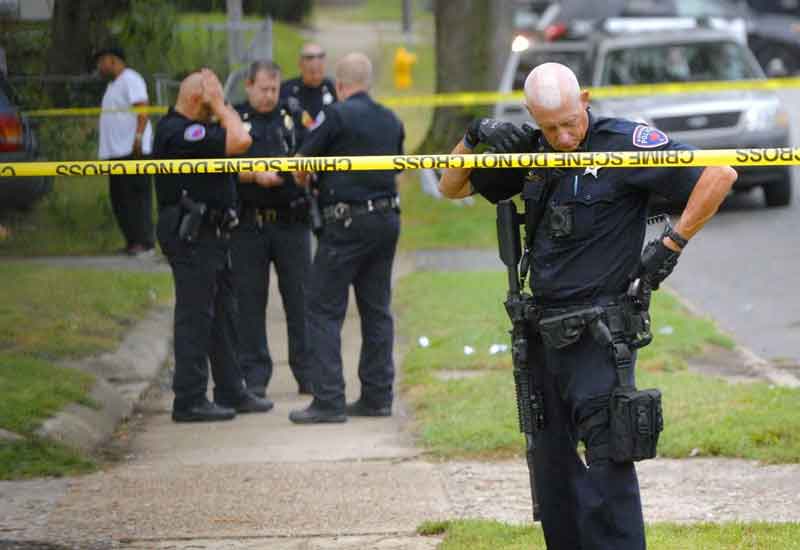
[{"x": 592, "y": 170}]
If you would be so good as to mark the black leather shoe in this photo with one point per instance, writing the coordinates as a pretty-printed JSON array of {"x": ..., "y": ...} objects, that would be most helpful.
[
  {"x": 314, "y": 414},
  {"x": 203, "y": 412},
  {"x": 360, "y": 408},
  {"x": 258, "y": 391},
  {"x": 253, "y": 404}
]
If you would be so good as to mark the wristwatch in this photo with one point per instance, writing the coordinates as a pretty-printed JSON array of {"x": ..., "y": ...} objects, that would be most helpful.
[{"x": 676, "y": 237}]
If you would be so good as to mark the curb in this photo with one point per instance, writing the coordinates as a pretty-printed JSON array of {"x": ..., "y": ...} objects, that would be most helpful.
[
  {"x": 751, "y": 359},
  {"x": 123, "y": 376}
]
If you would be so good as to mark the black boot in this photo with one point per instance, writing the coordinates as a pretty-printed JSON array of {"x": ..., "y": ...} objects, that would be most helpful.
[
  {"x": 250, "y": 403},
  {"x": 317, "y": 413},
  {"x": 205, "y": 411},
  {"x": 363, "y": 408}
]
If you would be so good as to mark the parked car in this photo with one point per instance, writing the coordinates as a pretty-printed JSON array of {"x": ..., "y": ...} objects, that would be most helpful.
[
  {"x": 716, "y": 119},
  {"x": 18, "y": 144}
]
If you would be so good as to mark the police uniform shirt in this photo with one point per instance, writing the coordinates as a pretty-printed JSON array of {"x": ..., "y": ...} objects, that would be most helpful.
[
  {"x": 178, "y": 137},
  {"x": 311, "y": 100},
  {"x": 357, "y": 126},
  {"x": 274, "y": 134},
  {"x": 608, "y": 207}
]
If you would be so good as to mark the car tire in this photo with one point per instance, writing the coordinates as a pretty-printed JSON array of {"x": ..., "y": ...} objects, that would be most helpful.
[{"x": 778, "y": 192}]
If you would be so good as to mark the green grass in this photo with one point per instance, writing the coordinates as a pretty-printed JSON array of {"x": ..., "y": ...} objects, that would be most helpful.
[
  {"x": 370, "y": 11},
  {"x": 48, "y": 314},
  {"x": 489, "y": 535},
  {"x": 54, "y": 313},
  {"x": 429, "y": 223},
  {"x": 476, "y": 416}
]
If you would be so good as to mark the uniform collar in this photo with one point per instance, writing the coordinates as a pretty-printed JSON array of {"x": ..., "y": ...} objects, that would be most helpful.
[{"x": 358, "y": 95}]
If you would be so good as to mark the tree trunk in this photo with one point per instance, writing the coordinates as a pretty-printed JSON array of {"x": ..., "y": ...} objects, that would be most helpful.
[
  {"x": 463, "y": 43},
  {"x": 78, "y": 28}
]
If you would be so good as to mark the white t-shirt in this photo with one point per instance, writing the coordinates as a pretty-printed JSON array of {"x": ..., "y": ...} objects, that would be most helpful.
[{"x": 117, "y": 130}]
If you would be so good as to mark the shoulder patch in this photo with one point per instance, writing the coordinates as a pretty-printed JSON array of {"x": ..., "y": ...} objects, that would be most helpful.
[
  {"x": 194, "y": 132},
  {"x": 647, "y": 137}
]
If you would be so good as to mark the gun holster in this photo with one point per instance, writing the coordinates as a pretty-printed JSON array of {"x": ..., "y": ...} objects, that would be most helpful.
[{"x": 192, "y": 214}]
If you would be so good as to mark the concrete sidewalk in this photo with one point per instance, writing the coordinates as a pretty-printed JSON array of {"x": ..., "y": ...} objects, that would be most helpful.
[{"x": 258, "y": 481}]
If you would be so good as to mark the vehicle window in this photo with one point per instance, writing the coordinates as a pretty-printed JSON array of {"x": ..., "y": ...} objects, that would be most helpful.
[
  {"x": 574, "y": 59},
  {"x": 696, "y": 62},
  {"x": 786, "y": 7}
]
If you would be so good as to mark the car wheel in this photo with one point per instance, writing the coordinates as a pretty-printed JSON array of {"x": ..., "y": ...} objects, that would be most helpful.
[{"x": 778, "y": 192}]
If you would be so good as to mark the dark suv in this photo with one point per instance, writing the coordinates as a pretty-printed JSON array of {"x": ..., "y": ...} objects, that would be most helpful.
[{"x": 18, "y": 144}]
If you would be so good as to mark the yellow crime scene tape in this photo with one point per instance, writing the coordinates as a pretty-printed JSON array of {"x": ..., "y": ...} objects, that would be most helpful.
[
  {"x": 610, "y": 159},
  {"x": 487, "y": 98}
]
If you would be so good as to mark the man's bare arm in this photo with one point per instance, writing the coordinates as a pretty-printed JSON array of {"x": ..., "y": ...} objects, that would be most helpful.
[
  {"x": 454, "y": 183},
  {"x": 710, "y": 190}
]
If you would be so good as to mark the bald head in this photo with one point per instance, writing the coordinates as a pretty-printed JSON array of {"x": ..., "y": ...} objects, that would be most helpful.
[
  {"x": 555, "y": 101},
  {"x": 551, "y": 86},
  {"x": 354, "y": 69},
  {"x": 190, "y": 86}
]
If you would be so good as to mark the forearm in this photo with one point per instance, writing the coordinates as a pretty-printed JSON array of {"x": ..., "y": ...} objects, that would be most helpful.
[
  {"x": 454, "y": 183},
  {"x": 238, "y": 139},
  {"x": 711, "y": 189}
]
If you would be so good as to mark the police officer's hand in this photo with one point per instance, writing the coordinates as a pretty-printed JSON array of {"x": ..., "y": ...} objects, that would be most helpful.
[
  {"x": 657, "y": 262},
  {"x": 213, "y": 95},
  {"x": 268, "y": 179},
  {"x": 502, "y": 137}
]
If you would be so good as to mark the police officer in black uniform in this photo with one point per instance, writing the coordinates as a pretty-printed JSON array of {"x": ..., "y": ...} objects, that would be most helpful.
[
  {"x": 312, "y": 91},
  {"x": 274, "y": 228},
  {"x": 586, "y": 249},
  {"x": 357, "y": 246},
  {"x": 196, "y": 214}
]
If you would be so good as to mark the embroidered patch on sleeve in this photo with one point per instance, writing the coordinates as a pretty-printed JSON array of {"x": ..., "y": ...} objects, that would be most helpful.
[
  {"x": 194, "y": 132},
  {"x": 648, "y": 137}
]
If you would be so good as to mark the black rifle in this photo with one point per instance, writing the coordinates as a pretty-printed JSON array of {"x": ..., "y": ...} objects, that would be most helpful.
[{"x": 530, "y": 407}]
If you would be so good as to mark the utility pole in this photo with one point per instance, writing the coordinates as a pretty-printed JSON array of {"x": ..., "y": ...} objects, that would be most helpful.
[
  {"x": 234, "y": 9},
  {"x": 407, "y": 20}
]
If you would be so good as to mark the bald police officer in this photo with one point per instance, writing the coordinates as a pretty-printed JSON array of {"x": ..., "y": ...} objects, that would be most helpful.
[
  {"x": 357, "y": 246},
  {"x": 585, "y": 229},
  {"x": 196, "y": 215}
]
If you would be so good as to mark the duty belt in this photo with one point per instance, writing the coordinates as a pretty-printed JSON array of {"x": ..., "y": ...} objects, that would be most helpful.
[
  {"x": 261, "y": 216},
  {"x": 348, "y": 210},
  {"x": 216, "y": 224}
]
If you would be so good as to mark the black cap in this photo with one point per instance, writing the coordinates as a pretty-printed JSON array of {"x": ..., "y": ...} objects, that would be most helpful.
[{"x": 113, "y": 50}]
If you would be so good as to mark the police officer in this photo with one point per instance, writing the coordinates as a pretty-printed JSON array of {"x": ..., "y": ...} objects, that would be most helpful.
[
  {"x": 195, "y": 218},
  {"x": 356, "y": 246},
  {"x": 274, "y": 228},
  {"x": 311, "y": 91},
  {"x": 587, "y": 245}
]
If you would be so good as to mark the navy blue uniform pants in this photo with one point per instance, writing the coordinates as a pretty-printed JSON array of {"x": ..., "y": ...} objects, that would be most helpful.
[
  {"x": 594, "y": 507},
  {"x": 362, "y": 255},
  {"x": 132, "y": 205},
  {"x": 288, "y": 246},
  {"x": 205, "y": 322}
]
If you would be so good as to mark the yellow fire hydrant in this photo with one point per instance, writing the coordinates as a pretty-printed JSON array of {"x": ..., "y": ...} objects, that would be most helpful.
[{"x": 403, "y": 61}]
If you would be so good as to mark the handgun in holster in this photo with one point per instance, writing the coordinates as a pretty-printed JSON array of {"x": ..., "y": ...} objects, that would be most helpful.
[{"x": 192, "y": 214}]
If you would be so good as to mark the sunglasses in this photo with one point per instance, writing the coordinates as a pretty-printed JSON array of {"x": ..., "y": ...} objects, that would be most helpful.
[{"x": 313, "y": 55}]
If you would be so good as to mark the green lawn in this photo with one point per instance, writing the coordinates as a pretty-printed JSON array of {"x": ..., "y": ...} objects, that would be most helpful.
[
  {"x": 475, "y": 416},
  {"x": 46, "y": 315},
  {"x": 370, "y": 10},
  {"x": 489, "y": 535}
]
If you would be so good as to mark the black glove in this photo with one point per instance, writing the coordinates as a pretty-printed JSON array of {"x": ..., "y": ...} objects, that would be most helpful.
[
  {"x": 657, "y": 262},
  {"x": 502, "y": 137}
]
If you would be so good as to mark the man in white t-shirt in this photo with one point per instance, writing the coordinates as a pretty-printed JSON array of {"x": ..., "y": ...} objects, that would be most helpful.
[{"x": 126, "y": 135}]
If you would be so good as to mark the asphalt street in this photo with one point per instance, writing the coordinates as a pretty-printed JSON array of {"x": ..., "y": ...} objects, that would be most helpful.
[{"x": 743, "y": 268}]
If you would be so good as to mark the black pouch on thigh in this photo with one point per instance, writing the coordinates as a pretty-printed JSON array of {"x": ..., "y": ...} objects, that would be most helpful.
[{"x": 636, "y": 421}]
